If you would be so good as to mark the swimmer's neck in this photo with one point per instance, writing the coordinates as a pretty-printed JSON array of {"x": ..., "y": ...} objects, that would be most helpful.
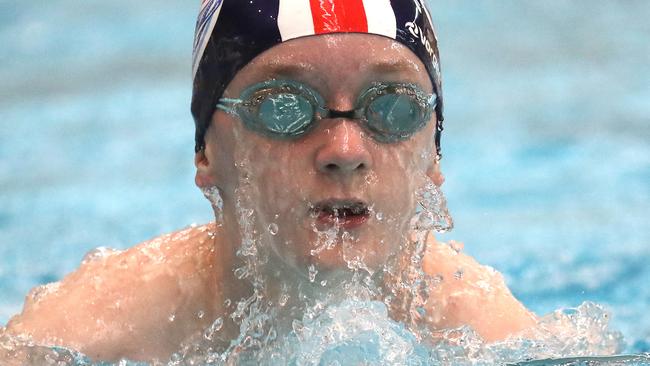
[{"x": 287, "y": 289}]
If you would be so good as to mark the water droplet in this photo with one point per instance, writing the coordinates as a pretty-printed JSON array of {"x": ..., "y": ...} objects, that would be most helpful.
[
  {"x": 176, "y": 358},
  {"x": 456, "y": 246},
  {"x": 97, "y": 254},
  {"x": 171, "y": 317},
  {"x": 297, "y": 326},
  {"x": 200, "y": 314},
  {"x": 273, "y": 228},
  {"x": 39, "y": 292},
  {"x": 312, "y": 273},
  {"x": 241, "y": 272},
  {"x": 215, "y": 327},
  {"x": 370, "y": 179},
  {"x": 434, "y": 214},
  {"x": 367, "y": 280},
  {"x": 272, "y": 335},
  {"x": 213, "y": 195},
  {"x": 282, "y": 301},
  {"x": 323, "y": 283},
  {"x": 421, "y": 311}
]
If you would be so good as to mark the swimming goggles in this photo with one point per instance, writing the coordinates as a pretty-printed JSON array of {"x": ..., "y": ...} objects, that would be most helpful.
[{"x": 286, "y": 109}]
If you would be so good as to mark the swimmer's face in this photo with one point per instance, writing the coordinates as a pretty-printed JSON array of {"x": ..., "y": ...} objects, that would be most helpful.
[{"x": 335, "y": 194}]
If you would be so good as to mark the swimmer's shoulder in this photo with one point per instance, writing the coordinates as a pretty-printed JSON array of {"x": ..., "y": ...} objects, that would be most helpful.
[
  {"x": 140, "y": 302},
  {"x": 469, "y": 293}
]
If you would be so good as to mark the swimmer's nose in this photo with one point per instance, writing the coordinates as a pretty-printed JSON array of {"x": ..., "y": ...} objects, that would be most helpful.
[{"x": 344, "y": 149}]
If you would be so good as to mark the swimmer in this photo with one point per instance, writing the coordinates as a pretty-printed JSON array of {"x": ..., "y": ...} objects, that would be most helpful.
[{"x": 315, "y": 129}]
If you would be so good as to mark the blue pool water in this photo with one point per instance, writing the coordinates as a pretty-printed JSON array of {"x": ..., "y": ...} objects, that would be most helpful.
[{"x": 546, "y": 147}]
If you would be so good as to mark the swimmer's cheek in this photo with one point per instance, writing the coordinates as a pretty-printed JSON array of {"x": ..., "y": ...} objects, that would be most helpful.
[{"x": 471, "y": 294}]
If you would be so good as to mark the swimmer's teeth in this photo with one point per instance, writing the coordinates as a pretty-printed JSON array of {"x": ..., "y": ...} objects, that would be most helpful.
[
  {"x": 340, "y": 210},
  {"x": 354, "y": 210}
]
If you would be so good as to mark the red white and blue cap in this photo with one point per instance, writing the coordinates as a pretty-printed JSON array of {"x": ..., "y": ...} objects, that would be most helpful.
[{"x": 231, "y": 33}]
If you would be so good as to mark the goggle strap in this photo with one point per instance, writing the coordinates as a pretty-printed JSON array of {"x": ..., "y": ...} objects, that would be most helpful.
[
  {"x": 228, "y": 104},
  {"x": 438, "y": 134},
  {"x": 230, "y": 100}
]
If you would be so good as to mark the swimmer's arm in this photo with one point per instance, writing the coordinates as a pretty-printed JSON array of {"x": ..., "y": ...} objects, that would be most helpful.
[
  {"x": 471, "y": 294},
  {"x": 121, "y": 306}
]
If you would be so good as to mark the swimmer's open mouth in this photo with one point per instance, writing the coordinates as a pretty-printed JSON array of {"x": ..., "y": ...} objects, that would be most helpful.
[{"x": 345, "y": 213}]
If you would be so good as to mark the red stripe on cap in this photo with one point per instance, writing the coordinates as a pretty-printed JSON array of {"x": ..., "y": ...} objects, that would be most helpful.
[{"x": 338, "y": 16}]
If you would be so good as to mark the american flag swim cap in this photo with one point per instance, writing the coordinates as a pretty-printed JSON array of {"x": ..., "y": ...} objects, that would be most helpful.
[{"x": 230, "y": 33}]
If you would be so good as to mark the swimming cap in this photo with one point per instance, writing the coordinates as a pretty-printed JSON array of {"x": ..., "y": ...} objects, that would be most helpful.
[{"x": 230, "y": 33}]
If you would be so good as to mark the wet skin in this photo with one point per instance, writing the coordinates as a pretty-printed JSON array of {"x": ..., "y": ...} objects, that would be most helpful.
[
  {"x": 120, "y": 306},
  {"x": 337, "y": 161}
]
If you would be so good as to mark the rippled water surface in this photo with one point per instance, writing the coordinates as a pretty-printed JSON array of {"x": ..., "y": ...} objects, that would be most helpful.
[{"x": 546, "y": 149}]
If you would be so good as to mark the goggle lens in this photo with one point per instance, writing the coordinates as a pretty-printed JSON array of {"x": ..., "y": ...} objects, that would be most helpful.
[
  {"x": 286, "y": 113},
  {"x": 394, "y": 115},
  {"x": 285, "y": 109}
]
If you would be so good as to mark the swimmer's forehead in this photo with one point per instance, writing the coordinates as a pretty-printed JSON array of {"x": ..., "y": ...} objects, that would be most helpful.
[
  {"x": 324, "y": 57},
  {"x": 372, "y": 66}
]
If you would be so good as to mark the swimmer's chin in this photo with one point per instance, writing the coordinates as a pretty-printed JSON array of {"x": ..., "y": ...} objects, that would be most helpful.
[{"x": 339, "y": 260}]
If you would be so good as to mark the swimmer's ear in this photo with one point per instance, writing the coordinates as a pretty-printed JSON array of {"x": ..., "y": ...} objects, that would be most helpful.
[
  {"x": 203, "y": 177},
  {"x": 434, "y": 173}
]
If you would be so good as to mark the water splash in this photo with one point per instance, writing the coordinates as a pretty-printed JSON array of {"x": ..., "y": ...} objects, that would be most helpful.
[
  {"x": 98, "y": 254},
  {"x": 312, "y": 273},
  {"x": 360, "y": 315},
  {"x": 326, "y": 239},
  {"x": 359, "y": 330},
  {"x": 364, "y": 317},
  {"x": 273, "y": 229},
  {"x": 214, "y": 196},
  {"x": 212, "y": 330},
  {"x": 433, "y": 213}
]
